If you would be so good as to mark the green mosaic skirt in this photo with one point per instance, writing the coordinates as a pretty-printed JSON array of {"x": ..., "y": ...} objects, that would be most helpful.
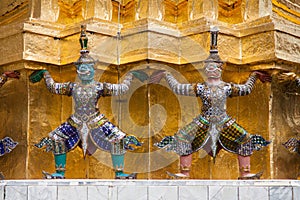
[{"x": 195, "y": 136}]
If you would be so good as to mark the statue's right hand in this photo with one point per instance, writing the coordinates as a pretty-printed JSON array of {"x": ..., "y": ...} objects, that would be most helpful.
[
  {"x": 263, "y": 76},
  {"x": 157, "y": 76},
  {"x": 37, "y": 76}
]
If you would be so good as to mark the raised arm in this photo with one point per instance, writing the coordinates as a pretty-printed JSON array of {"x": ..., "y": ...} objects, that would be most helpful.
[
  {"x": 53, "y": 87},
  {"x": 111, "y": 89},
  {"x": 179, "y": 88},
  {"x": 57, "y": 88},
  {"x": 245, "y": 89}
]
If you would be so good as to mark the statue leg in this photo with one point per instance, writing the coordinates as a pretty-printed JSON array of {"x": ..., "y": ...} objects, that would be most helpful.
[
  {"x": 245, "y": 150},
  {"x": 236, "y": 139},
  {"x": 117, "y": 155},
  {"x": 59, "y": 150},
  {"x": 244, "y": 168},
  {"x": 60, "y": 164},
  {"x": 63, "y": 139},
  {"x": 185, "y": 164},
  {"x": 60, "y": 167}
]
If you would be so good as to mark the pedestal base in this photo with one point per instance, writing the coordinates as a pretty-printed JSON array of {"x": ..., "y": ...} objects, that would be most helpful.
[{"x": 87, "y": 189}]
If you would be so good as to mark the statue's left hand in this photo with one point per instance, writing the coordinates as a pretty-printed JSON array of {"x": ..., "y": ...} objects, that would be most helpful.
[
  {"x": 263, "y": 76},
  {"x": 139, "y": 74},
  {"x": 12, "y": 74}
]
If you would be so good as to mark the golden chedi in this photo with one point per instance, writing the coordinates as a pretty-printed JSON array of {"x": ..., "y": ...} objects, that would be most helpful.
[{"x": 129, "y": 35}]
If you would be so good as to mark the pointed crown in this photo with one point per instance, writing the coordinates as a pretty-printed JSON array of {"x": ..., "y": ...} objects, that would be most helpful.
[
  {"x": 84, "y": 52},
  {"x": 213, "y": 52}
]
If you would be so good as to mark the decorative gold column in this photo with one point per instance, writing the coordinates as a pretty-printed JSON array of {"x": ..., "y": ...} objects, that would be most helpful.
[{"x": 154, "y": 34}]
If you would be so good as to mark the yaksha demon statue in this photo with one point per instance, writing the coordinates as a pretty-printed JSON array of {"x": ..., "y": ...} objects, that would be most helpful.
[
  {"x": 213, "y": 129},
  {"x": 7, "y": 144},
  {"x": 87, "y": 127},
  {"x": 290, "y": 83}
]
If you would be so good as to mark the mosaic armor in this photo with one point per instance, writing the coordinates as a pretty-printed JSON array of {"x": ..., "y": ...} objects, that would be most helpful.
[
  {"x": 213, "y": 129},
  {"x": 87, "y": 124},
  {"x": 7, "y": 145},
  {"x": 293, "y": 145}
]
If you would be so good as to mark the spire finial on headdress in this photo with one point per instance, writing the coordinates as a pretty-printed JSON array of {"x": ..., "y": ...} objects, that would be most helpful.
[
  {"x": 84, "y": 57},
  {"x": 83, "y": 39},
  {"x": 213, "y": 52},
  {"x": 214, "y": 30}
]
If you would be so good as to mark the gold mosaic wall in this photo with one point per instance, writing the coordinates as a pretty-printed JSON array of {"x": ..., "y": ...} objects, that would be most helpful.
[{"x": 155, "y": 34}]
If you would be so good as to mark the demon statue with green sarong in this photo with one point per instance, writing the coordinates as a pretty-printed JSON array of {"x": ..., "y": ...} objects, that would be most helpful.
[
  {"x": 213, "y": 129},
  {"x": 289, "y": 82}
]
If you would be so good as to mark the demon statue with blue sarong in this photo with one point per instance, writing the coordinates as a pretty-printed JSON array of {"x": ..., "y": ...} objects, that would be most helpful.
[
  {"x": 213, "y": 129},
  {"x": 7, "y": 144},
  {"x": 87, "y": 127}
]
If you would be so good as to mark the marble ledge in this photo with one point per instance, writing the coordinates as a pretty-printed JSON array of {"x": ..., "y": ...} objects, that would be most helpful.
[
  {"x": 144, "y": 182},
  {"x": 95, "y": 189}
]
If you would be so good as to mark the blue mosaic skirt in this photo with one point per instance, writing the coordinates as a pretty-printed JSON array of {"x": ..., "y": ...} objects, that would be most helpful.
[{"x": 7, "y": 145}]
